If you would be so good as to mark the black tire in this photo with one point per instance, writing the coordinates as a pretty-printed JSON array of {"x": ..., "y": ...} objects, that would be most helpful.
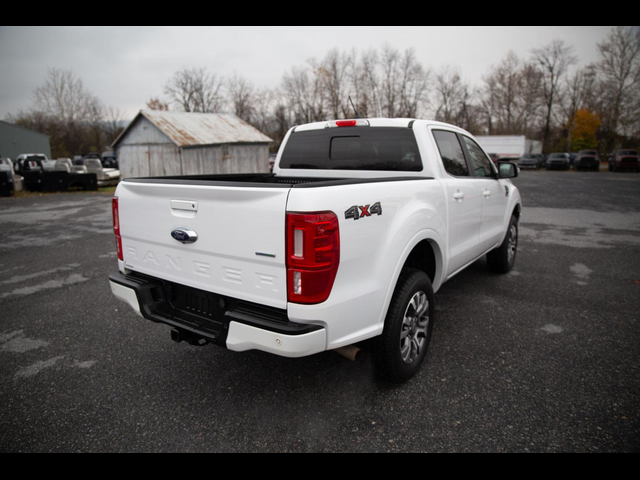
[
  {"x": 503, "y": 258},
  {"x": 403, "y": 345}
]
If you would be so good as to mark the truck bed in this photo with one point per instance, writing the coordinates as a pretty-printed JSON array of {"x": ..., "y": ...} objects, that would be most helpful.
[{"x": 268, "y": 180}]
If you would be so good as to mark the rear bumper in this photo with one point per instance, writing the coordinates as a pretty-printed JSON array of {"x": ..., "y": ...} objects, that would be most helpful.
[{"x": 234, "y": 324}]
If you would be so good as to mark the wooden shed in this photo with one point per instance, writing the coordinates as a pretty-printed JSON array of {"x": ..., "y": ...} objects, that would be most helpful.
[{"x": 158, "y": 143}]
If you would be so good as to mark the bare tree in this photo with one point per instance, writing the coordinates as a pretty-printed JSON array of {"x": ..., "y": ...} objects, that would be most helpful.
[
  {"x": 404, "y": 83},
  {"x": 196, "y": 90},
  {"x": 66, "y": 111},
  {"x": 510, "y": 97},
  {"x": 242, "y": 97},
  {"x": 502, "y": 88},
  {"x": 450, "y": 94},
  {"x": 113, "y": 123},
  {"x": 554, "y": 61},
  {"x": 531, "y": 99},
  {"x": 579, "y": 92},
  {"x": 414, "y": 85},
  {"x": 389, "y": 64},
  {"x": 155, "y": 103},
  {"x": 619, "y": 78},
  {"x": 333, "y": 76},
  {"x": 370, "y": 104},
  {"x": 302, "y": 88},
  {"x": 357, "y": 80},
  {"x": 64, "y": 97}
]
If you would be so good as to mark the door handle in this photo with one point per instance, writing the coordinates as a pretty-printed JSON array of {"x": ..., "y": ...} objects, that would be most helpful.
[
  {"x": 487, "y": 193},
  {"x": 458, "y": 195}
]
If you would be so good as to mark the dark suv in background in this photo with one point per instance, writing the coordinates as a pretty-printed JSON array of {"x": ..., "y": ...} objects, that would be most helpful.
[
  {"x": 624, "y": 160},
  {"x": 558, "y": 160},
  {"x": 587, "y": 160},
  {"x": 531, "y": 160}
]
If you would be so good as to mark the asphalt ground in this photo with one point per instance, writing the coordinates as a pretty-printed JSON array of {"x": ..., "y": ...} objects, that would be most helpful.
[{"x": 544, "y": 359}]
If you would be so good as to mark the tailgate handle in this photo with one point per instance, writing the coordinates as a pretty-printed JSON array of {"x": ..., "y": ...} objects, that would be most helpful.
[{"x": 184, "y": 205}]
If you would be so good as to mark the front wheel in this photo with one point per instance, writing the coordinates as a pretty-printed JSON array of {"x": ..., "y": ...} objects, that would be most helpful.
[
  {"x": 502, "y": 259},
  {"x": 403, "y": 345}
]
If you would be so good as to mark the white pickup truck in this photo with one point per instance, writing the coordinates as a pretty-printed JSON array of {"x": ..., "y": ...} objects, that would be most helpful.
[{"x": 349, "y": 238}]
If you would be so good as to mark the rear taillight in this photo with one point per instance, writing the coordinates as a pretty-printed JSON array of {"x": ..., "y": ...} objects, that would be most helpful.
[
  {"x": 116, "y": 226},
  {"x": 313, "y": 256}
]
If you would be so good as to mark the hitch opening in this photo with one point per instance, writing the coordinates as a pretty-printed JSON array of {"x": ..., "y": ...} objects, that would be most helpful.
[{"x": 179, "y": 335}]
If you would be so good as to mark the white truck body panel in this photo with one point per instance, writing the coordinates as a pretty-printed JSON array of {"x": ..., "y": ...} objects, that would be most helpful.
[
  {"x": 461, "y": 219},
  {"x": 233, "y": 224}
]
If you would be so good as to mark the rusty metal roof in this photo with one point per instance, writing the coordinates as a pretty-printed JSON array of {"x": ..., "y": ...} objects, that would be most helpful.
[{"x": 188, "y": 129}]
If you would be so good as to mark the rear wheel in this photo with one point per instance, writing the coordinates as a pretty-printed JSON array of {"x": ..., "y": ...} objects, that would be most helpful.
[
  {"x": 403, "y": 345},
  {"x": 502, "y": 259}
]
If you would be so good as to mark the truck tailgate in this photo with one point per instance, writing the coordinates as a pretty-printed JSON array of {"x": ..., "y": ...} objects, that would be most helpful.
[{"x": 240, "y": 247}]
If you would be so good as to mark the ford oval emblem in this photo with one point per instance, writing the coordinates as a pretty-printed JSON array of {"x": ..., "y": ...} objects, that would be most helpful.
[{"x": 184, "y": 235}]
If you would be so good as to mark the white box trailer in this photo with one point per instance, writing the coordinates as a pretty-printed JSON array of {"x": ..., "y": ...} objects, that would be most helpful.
[{"x": 509, "y": 147}]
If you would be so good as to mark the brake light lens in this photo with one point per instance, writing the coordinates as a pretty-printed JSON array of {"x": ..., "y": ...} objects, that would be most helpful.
[
  {"x": 348, "y": 123},
  {"x": 116, "y": 226},
  {"x": 313, "y": 256}
]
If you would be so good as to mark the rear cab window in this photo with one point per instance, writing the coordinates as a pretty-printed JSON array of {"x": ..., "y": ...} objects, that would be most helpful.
[{"x": 353, "y": 148}]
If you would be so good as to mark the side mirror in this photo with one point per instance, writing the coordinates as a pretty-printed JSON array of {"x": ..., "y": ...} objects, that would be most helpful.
[{"x": 508, "y": 170}]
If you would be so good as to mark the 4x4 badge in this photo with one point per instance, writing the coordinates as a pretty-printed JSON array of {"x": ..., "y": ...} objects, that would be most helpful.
[{"x": 358, "y": 211}]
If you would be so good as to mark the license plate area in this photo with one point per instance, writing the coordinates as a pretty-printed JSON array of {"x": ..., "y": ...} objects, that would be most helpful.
[{"x": 195, "y": 309}]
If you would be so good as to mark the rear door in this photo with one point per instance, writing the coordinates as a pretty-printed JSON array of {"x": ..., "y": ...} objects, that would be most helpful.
[
  {"x": 463, "y": 199},
  {"x": 239, "y": 250},
  {"x": 494, "y": 199}
]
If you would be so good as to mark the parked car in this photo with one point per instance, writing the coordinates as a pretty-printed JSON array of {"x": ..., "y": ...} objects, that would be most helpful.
[
  {"x": 624, "y": 160},
  {"x": 9, "y": 181},
  {"x": 531, "y": 160},
  {"x": 31, "y": 161},
  {"x": 558, "y": 161},
  {"x": 346, "y": 241},
  {"x": 109, "y": 159},
  {"x": 587, "y": 160}
]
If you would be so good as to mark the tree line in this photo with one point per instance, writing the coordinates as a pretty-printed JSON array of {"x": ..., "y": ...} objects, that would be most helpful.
[
  {"x": 544, "y": 96},
  {"x": 75, "y": 119}
]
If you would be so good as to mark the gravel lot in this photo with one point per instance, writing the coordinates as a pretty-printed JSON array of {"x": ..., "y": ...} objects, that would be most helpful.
[{"x": 544, "y": 359}]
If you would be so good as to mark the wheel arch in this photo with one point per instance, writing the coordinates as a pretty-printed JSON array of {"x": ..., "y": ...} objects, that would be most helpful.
[{"x": 426, "y": 253}]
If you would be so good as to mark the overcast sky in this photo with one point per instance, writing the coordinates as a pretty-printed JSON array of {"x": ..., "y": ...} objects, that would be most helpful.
[{"x": 126, "y": 66}]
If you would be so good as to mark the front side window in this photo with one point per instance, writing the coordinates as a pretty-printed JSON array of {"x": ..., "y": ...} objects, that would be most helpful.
[
  {"x": 480, "y": 162},
  {"x": 451, "y": 153}
]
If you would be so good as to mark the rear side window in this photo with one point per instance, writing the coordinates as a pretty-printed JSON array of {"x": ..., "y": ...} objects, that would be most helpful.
[
  {"x": 451, "y": 153},
  {"x": 353, "y": 148}
]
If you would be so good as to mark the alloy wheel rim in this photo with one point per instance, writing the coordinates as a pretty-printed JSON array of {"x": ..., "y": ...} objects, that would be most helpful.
[
  {"x": 513, "y": 243},
  {"x": 415, "y": 324}
]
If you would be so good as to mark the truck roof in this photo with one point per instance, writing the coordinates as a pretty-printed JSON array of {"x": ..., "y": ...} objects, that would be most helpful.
[{"x": 375, "y": 122}]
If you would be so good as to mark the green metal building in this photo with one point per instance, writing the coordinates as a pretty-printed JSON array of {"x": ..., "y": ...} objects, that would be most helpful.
[{"x": 15, "y": 140}]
